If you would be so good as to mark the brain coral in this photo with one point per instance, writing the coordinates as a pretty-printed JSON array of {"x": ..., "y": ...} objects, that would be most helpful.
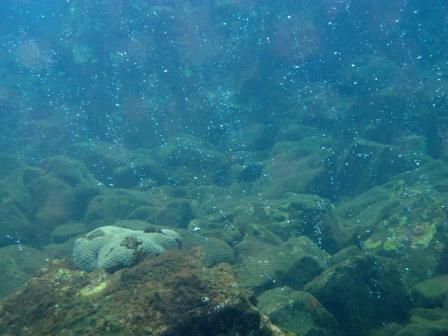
[{"x": 112, "y": 248}]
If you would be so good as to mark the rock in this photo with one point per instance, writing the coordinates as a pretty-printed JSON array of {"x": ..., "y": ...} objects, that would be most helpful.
[
  {"x": 213, "y": 251},
  {"x": 113, "y": 204},
  {"x": 310, "y": 106},
  {"x": 217, "y": 226},
  {"x": 345, "y": 253},
  {"x": 40, "y": 199},
  {"x": 367, "y": 164},
  {"x": 292, "y": 263},
  {"x": 387, "y": 330},
  {"x": 171, "y": 294},
  {"x": 426, "y": 322},
  {"x": 112, "y": 248},
  {"x": 362, "y": 293},
  {"x": 57, "y": 202},
  {"x": 290, "y": 216},
  {"x": 14, "y": 226},
  {"x": 66, "y": 231},
  {"x": 292, "y": 167},
  {"x": 176, "y": 214},
  {"x": 297, "y": 312},
  {"x": 191, "y": 160},
  {"x": 400, "y": 220},
  {"x": 250, "y": 173},
  {"x": 256, "y": 137},
  {"x": 9, "y": 163},
  {"x": 432, "y": 292},
  {"x": 18, "y": 264}
]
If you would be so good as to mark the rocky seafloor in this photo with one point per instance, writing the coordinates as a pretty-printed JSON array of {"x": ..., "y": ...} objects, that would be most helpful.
[
  {"x": 261, "y": 238},
  {"x": 322, "y": 212}
]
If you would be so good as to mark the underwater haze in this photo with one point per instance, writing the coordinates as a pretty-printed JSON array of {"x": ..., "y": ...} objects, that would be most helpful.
[{"x": 224, "y": 167}]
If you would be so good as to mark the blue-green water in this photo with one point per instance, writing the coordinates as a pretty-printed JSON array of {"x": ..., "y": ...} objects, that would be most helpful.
[{"x": 302, "y": 142}]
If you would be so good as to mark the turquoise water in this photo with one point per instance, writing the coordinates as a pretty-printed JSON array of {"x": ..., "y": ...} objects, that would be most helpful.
[{"x": 303, "y": 143}]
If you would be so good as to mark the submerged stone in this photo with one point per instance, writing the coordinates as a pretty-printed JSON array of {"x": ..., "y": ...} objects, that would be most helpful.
[
  {"x": 432, "y": 292},
  {"x": 298, "y": 312},
  {"x": 292, "y": 263},
  {"x": 362, "y": 292},
  {"x": 172, "y": 294}
]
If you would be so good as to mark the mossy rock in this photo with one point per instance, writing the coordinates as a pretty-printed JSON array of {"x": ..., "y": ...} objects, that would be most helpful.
[
  {"x": 362, "y": 293},
  {"x": 292, "y": 263},
  {"x": 292, "y": 167},
  {"x": 400, "y": 220},
  {"x": 67, "y": 231},
  {"x": 172, "y": 294},
  {"x": 14, "y": 225},
  {"x": 426, "y": 322},
  {"x": 113, "y": 204},
  {"x": 297, "y": 312},
  {"x": 18, "y": 264},
  {"x": 432, "y": 292}
]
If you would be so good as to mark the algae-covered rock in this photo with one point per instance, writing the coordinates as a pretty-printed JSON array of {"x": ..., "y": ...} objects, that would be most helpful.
[
  {"x": 66, "y": 231},
  {"x": 367, "y": 164},
  {"x": 40, "y": 199},
  {"x": 297, "y": 312},
  {"x": 212, "y": 250},
  {"x": 432, "y": 292},
  {"x": 113, "y": 204},
  {"x": 292, "y": 263},
  {"x": 280, "y": 219},
  {"x": 191, "y": 160},
  {"x": 14, "y": 225},
  {"x": 176, "y": 214},
  {"x": 112, "y": 248},
  {"x": 293, "y": 167},
  {"x": 426, "y": 322},
  {"x": 172, "y": 294},
  {"x": 362, "y": 292},
  {"x": 403, "y": 221},
  {"x": 18, "y": 264}
]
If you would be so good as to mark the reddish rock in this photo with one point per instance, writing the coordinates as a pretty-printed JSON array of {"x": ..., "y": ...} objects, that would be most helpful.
[{"x": 172, "y": 294}]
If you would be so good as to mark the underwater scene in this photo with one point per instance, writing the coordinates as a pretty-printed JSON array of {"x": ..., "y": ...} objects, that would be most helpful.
[{"x": 224, "y": 167}]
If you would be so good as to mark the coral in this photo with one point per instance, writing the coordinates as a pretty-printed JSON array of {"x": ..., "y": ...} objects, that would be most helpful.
[{"x": 112, "y": 248}]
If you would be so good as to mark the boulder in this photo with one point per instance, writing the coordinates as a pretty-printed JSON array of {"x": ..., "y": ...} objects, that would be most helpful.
[
  {"x": 426, "y": 322},
  {"x": 292, "y": 263},
  {"x": 113, "y": 204},
  {"x": 18, "y": 263},
  {"x": 432, "y": 292},
  {"x": 362, "y": 293},
  {"x": 402, "y": 221},
  {"x": 297, "y": 312},
  {"x": 67, "y": 231},
  {"x": 171, "y": 294}
]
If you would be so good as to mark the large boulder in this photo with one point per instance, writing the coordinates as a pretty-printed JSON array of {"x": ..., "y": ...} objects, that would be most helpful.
[
  {"x": 190, "y": 160},
  {"x": 113, "y": 204},
  {"x": 172, "y": 294},
  {"x": 297, "y": 312},
  {"x": 117, "y": 166},
  {"x": 403, "y": 221},
  {"x": 432, "y": 292},
  {"x": 362, "y": 292},
  {"x": 293, "y": 166},
  {"x": 292, "y": 263},
  {"x": 18, "y": 263},
  {"x": 38, "y": 199}
]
